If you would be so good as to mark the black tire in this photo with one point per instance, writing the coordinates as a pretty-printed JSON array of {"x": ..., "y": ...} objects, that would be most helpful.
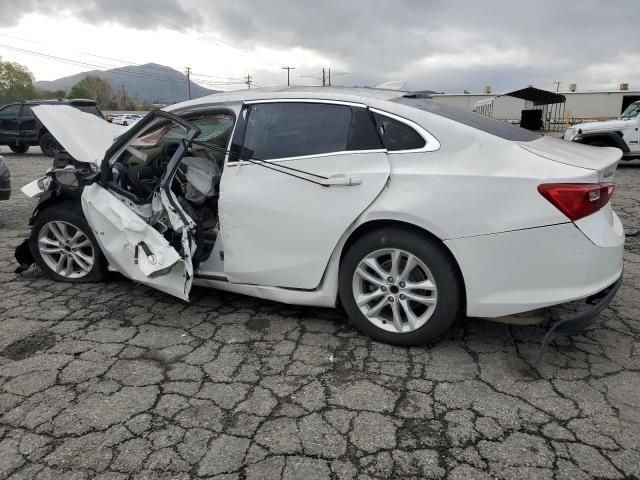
[
  {"x": 71, "y": 213},
  {"x": 450, "y": 289},
  {"x": 125, "y": 124},
  {"x": 49, "y": 145},
  {"x": 19, "y": 148}
]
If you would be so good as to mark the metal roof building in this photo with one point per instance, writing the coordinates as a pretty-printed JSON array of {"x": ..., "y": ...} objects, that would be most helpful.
[{"x": 578, "y": 105}]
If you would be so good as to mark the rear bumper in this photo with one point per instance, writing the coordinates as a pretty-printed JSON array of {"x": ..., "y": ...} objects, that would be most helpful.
[
  {"x": 572, "y": 323},
  {"x": 520, "y": 271}
]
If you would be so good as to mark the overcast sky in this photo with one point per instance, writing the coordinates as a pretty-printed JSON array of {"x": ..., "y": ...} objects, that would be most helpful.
[{"x": 443, "y": 45}]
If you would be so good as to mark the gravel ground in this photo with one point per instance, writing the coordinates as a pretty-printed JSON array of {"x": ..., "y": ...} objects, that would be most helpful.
[{"x": 113, "y": 381}]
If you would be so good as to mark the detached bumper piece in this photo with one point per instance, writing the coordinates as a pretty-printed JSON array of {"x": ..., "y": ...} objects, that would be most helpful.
[
  {"x": 23, "y": 256},
  {"x": 573, "y": 323}
]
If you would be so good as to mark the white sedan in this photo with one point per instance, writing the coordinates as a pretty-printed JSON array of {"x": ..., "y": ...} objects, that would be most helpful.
[
  {"x": 126, "y": 120},
  {"x": 408, "y": 212}
]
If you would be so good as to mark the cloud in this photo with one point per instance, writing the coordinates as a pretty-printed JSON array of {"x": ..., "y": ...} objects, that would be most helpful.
[{"x": 439, "y": 44}]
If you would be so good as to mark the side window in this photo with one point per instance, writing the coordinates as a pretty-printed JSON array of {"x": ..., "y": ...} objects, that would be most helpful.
[
  {"x": 10, "y": 112},
  {"x": 281, "y": 129},
  {"x": 397, "y": 135},
  {"x": 26, "y": 112}
]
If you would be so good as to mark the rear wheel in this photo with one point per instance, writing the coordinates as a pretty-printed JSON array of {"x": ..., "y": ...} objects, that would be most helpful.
[
  {"x": 49, "y": 145},
  {"x": 64, "y": 247},
  {"x": 400, "y": 287},
  {"x": 19, "y": 148}
]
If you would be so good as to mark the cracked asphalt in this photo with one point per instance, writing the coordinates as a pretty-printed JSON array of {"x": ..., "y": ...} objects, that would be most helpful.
[{"x": 114, "y": 381}]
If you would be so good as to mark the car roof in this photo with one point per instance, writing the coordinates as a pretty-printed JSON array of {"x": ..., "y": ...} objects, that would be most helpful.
[
  {"x": 346, "y": 94},
  {"x": 68, "y": 101}
]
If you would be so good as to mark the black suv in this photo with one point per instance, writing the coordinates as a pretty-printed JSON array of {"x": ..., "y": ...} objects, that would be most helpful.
[{"x": 20, "y": 129}]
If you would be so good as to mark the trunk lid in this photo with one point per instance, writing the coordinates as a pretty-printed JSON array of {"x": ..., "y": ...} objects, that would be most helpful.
[
  {"x": 603, "y": 160},
  {"x": 84, "y": 136}
]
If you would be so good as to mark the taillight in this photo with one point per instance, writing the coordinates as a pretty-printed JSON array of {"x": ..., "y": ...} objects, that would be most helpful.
[{"x": 577, "y": 200}]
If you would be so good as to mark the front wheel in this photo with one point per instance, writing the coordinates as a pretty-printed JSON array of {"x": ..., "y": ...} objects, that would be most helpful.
[
  {"x": 63, "y": 245},
  {"x": 400, "y": 287}
]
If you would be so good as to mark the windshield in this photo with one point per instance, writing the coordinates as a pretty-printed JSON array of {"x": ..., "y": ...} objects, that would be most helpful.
[{"x": 632, "y": 111}]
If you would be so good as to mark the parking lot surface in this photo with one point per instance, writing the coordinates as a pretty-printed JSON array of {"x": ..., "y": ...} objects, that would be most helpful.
[{"x": 117, "y": 381}]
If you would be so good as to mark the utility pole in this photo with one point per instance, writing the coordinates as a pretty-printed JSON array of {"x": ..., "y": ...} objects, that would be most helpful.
[
  {"x": 288, "y": 69},
  {"x": 324, "y": 81},
  {"x": 557, "y": 86},
  {"x": 189, "y": 81},
  {"x": 329, "y": 77},
  {"x": 124, "y": 97},
  {"x": 248, "y": 82}
]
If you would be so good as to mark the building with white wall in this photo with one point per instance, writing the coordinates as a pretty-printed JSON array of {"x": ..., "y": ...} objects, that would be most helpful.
[{"x": 578, "y": 106}]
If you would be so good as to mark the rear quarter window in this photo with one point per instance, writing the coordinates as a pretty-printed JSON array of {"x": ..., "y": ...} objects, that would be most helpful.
[{"x": 472, "y": 119}]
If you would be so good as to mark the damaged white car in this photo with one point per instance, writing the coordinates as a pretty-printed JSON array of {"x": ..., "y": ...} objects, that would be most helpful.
[{"x": 408, "y": 212}]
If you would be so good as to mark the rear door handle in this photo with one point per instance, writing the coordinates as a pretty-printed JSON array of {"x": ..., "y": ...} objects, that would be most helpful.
[{"x": 342, "y": 181}]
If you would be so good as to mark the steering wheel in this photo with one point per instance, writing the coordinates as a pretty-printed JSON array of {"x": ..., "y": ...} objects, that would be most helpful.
[{"x": 134, "y": 180}]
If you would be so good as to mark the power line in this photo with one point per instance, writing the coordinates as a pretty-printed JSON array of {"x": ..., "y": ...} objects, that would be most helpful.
[
  {"x": 116, "y": 70},
  {"x": 148, "y": 69},
  {"x": 288, "y": 69}
]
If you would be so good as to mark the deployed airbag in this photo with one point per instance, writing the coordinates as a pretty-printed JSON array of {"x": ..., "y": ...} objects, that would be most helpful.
[{"x": 203, "y": 176}]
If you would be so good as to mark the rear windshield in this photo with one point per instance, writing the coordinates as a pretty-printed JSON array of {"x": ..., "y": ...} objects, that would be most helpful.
[{"x": 472, "y": 119}]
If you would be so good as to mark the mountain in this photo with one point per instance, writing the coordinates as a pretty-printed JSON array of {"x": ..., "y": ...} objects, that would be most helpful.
[{"x": 151, "y": 83}]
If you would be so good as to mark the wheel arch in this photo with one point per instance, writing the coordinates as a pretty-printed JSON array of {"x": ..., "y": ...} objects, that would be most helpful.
[
  {"x": 53, "y": 198},
  {"x": 610, "y": 138},
  {"x": 379, "y": 224}
]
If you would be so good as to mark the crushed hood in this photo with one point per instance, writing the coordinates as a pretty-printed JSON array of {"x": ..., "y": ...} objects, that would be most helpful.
[{"x": 84, "y": 136}]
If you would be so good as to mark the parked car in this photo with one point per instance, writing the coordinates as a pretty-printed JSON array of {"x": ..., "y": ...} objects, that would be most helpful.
[
  {"x": 5, "y": 180},
  {"x": 20, "y": 129},
  {"x": 409, "y": 212},
  {"x": 126, "y": 120},
  {"x": 623, "y": 133}
]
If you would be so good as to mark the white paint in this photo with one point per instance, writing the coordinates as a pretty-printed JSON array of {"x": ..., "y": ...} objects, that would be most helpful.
[
  {"x": 519, "y": 271},
  {"x": 283, "y": 236},
  {"x": 119, "y": 231},
  {"x": 85, "y": 136},
  {"x": 279, "y": 230}
]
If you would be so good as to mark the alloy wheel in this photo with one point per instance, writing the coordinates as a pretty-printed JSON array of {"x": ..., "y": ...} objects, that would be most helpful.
[
  {"x": 65, "y": 249},
  {"x": 394, "y": 290}
]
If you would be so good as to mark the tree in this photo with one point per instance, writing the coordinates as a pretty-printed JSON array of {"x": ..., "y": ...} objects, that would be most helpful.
[
  {"x": 16, "y": 82},
  {"x": 95, "y": 88},
  {"x": 50, "y": 94}
]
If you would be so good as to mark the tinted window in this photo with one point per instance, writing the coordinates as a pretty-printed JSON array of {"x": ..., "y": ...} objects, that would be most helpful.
[
  {"x": 10, "y": 111},
  {"x": 397, "y": 135},
  {"x": 472, "y": 119},
  {"x": 278, "y": 130},
  {"x": 26, "y": 112},
  {"x": 363, "y": 135},
  {"x": 89, "y": 109}
]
